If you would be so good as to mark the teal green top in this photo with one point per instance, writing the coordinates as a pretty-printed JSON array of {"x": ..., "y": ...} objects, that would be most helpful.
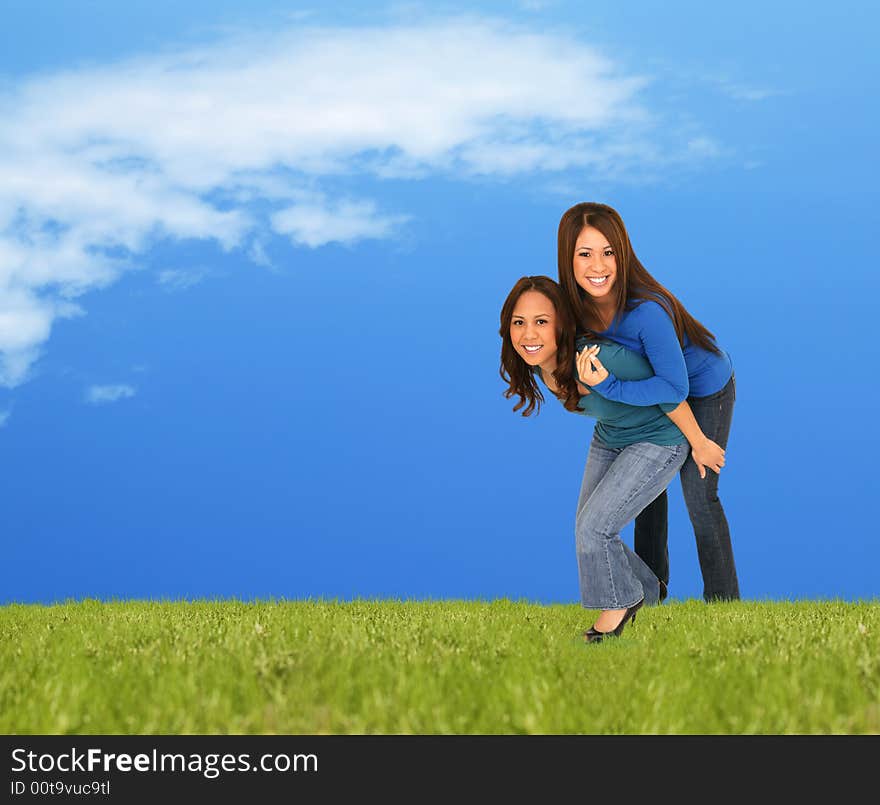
[{"x": 619, "y": 424}]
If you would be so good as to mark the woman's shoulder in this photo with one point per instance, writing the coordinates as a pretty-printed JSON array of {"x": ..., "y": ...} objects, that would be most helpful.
[
  {"x": 648, "y": 312},
  {"x": 614, "y": 356},
  {"x": 586, "y": 340},
  {"x": 647, "y": 306},
  {"x": 625, "y": 363}
]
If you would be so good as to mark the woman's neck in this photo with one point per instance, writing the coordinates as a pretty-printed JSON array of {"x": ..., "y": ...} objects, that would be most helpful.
[
  {"x": 548, "y": 367},
  {"x": 605, "y": 312}
]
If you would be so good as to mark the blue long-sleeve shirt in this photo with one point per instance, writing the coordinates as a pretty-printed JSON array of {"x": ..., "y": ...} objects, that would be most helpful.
[{"x": 647, "y": 328}]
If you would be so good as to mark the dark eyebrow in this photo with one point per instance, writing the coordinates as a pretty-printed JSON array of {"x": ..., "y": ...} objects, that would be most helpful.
[
  {"x": 578, "y": 248},
  {"x": 537, "y": 316}
]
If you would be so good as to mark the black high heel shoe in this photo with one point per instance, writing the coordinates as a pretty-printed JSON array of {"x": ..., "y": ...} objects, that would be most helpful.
[{"x": 593, "y": 635}]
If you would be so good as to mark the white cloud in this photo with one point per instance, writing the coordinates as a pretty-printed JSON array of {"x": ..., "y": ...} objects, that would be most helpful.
[
  {"x": 98, "y": 395},
  {"x": 703, "y": 146},
  {"x": 743, "y": 92},
  {"x": 320, "y": 222},
  {"x": 752, "y": 94},
  {"x": 236, "y": 141},
  {"x": 179, "y": 279},
  {"x": 4, "y": 417}
]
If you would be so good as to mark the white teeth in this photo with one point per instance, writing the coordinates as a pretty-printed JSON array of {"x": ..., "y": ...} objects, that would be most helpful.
[
  {"x": 533, "y": 348},
  {"x": 597, "y": 280}
]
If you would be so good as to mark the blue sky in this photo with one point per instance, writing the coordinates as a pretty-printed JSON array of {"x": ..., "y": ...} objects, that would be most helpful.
[{"x": 252, "y": 260}]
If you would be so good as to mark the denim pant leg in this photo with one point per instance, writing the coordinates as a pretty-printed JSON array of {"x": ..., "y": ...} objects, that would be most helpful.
[
  {"x": 714, "y": 415},
  {"x": 618, "y": 483},
  {"x": 651, "y": 536}
]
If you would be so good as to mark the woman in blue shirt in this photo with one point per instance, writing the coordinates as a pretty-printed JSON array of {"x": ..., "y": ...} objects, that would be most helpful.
[
  {"x": 613, "y": 296},
  {"x": 635, "y": 452}
]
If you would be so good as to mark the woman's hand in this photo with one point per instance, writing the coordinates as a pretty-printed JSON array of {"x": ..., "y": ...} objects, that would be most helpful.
[
  {"x": 708, "y": 454},
  {"x": 589, "y": 368}
]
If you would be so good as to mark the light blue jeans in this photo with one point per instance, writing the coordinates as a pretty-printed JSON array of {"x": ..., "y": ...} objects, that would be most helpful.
[{"x": 618, "y": 483}]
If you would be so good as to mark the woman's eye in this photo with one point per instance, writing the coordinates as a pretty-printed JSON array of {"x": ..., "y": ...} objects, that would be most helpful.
[
  {"x": 541, "y": 321},
  {"x": 609, "y": 253},
  {"x": 516, "y": 323}
]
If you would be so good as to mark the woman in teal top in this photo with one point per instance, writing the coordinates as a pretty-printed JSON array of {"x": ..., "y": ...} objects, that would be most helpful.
[{"x": 635, "y": 452}]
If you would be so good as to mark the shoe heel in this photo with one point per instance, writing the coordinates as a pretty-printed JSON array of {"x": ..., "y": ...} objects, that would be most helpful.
[
  {"x": 592, "y": 635},
  {"x": 629, "y": 615}
]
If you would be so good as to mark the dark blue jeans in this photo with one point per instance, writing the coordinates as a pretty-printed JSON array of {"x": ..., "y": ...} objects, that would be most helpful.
[{"x": 714, "y": 415}]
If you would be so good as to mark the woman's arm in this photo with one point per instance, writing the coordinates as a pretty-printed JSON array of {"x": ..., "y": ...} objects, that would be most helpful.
[
  {"x": 650, "y": 327},
  {"x": 704, "y": 451}
]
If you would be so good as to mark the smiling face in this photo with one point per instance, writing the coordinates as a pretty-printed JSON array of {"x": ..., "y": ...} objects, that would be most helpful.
[
  {"x": 533, "y": 330},
  {"x": 594, "y": 265}
]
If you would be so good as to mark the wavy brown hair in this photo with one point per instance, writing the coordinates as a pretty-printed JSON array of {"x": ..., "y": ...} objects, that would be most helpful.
[
  {"x": 516, "y": 372},
  {"x": 633, "y": 282}
]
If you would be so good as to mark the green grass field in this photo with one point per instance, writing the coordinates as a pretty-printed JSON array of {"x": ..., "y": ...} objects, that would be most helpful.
[{"x": 316, "y": 667}]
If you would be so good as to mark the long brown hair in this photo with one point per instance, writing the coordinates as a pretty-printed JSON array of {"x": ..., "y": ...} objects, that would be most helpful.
[
  {"x": 633, "y": 281},
  {"x": 516, "y": 372}
]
